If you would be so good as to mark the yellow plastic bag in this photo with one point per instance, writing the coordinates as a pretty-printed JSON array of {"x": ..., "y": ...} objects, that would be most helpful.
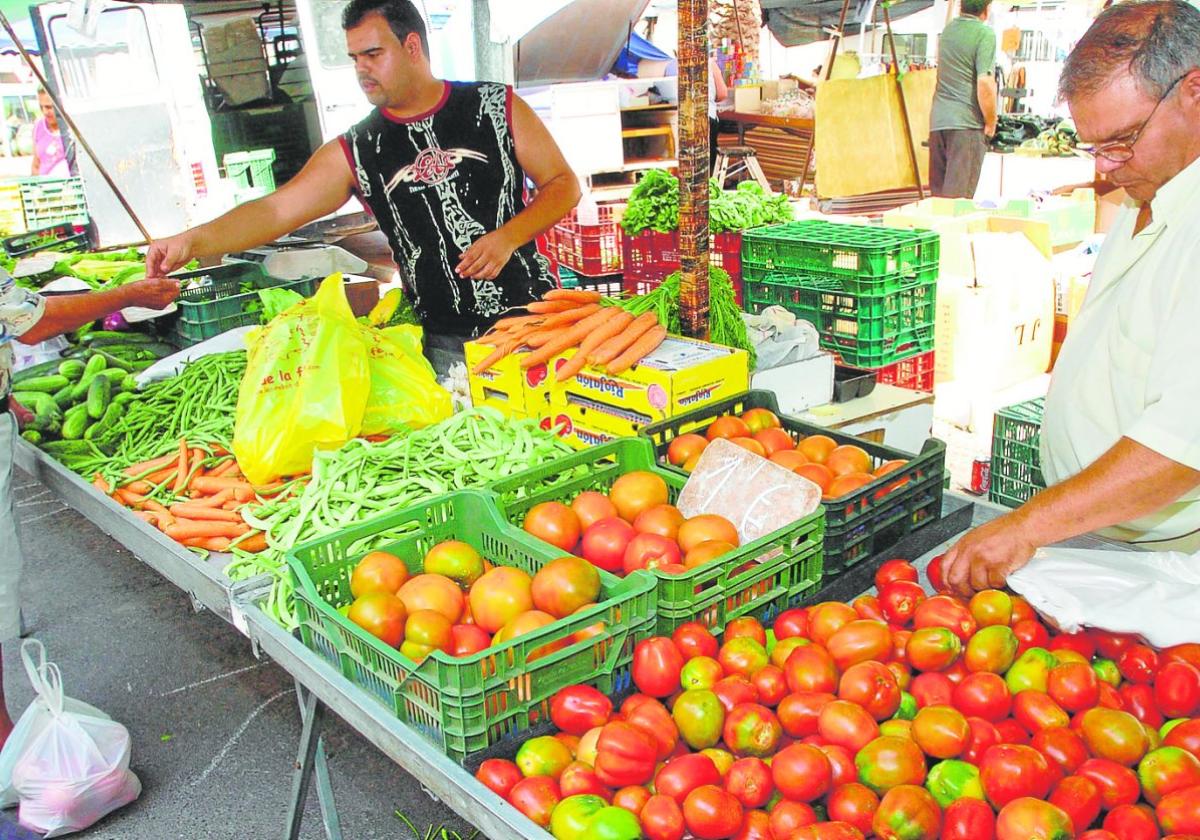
[
  {"x": 404, "y": 390},
  {"x": 305, "y": 388}
]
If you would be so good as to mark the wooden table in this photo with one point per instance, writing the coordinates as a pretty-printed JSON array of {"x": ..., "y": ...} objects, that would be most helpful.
[{"x": 781, "y": 157}]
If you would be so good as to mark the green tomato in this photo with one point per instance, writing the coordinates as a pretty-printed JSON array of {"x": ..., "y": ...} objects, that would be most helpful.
[
  {"x": 1031, "y": 671},
  {"x": 572, "y": 818},
  {"x": 951, "y": 780},
  {"x": 700, "y": 717},
  {"x": 908, "y": 707},
  {"x": 1107, "y": 671},
  {"x": 613, "y": 823},
  {"x": 1166, "y": 728}
]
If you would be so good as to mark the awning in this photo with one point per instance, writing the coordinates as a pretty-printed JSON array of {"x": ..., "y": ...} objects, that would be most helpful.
[
  {"x": 795, "y": 23},
  {"x": 578, "y": 43},
  {"x": 638, "y": 49}
]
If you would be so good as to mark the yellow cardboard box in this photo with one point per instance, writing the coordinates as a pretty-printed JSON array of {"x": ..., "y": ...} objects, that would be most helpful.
[
  {"x": 682, "y": 374},
  {"x": 508, "y": 388}
]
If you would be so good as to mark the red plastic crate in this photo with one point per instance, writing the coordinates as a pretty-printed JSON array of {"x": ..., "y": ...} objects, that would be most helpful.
[
  {"x": 914, "y": 373},
  {"x": 589, "y": 250},
  {"x": 650, "y": 256}
]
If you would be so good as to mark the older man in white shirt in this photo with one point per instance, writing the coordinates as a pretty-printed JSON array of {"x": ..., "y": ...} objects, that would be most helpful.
[{"x": 1121, "y": 436}]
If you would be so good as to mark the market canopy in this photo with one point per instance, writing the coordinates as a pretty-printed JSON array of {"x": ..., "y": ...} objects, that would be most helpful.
[
  {"x": 577, "y": 43},
  {"x": 795, "y": 23}
]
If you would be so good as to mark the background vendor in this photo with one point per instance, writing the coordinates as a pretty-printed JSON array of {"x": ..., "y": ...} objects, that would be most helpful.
[
  {"x": 1121, "y": 438},
  {"x": 30, "y": 319},
  {"x": 441, "y": 165}
]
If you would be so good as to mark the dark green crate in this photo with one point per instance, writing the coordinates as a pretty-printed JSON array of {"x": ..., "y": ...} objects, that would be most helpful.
[
  {"x": 860, "y": 524},
  {"x": 1016, "y": 456},
  {"x": 758, "y": 578},
  {"x": 469, "y": 703},
  {"x": 866, "y": 330},
  {"x": 211, "y": 301},
  {"x": 867, "y": 256}
]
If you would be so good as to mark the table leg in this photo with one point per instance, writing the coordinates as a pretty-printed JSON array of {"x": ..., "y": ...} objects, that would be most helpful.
[{"x": 311, "y": 756}]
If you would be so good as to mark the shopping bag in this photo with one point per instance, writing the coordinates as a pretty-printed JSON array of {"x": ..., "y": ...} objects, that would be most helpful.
[
  {"x": 404, "y": 390},
  {"x": 1152, "y": 594},
  {"x": 70, "y": 761},
  {"x": 305, "y": 388}
]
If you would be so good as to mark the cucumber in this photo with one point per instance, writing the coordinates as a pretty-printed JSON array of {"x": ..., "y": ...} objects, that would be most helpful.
[
  {"x": 45, "y": 384},
  {"x": 113, "y": 361},
  {"x": 46, "y": 424},
  {"x": 129, "y": 384},
  {"x": 35, "y": 401},
  {"x": 102, "y": 427},
  {"x": 98, "y": 396},
  {"x": 74, "y": 426},
  {"x": 100, "y": 337},
  {"x": 62, "y": 397},
  {"x": 33, "y": 436},
  {"x": 124, "y": 398},
  {"x": 95, "y": 364},
  {"x": 65, "y": 449},
  {"x": 72, "y": 369},
  {"x": 42, "y": 369}
]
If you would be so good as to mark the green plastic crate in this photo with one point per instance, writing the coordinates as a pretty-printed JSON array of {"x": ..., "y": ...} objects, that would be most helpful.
[
  {"x": 250, "y": 173},
  {"x": 1016, "y": 456},
  {"x": 50, "y": 201},
  {"x": 713, "y": 594},
  {"x": 211, "y": 300},
  {"x": 865, "y": 256},
  {"x": 860, "y": 524},
  {"x": 867, "y": 330},
  {"x": 469, "y": 703}
]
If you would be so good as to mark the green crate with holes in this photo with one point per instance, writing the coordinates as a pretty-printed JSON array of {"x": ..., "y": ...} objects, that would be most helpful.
[{"x": 1016, "y": 454}]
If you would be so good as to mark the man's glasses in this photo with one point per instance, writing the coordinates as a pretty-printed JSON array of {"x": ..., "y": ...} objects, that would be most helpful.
[{"x": 1121, "y": 151}]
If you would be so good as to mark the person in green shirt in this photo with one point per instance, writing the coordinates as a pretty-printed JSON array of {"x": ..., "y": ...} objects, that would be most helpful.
[{"x": 964, "y": 103}]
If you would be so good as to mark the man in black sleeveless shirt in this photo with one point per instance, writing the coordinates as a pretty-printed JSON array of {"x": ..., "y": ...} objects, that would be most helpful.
[{"x": 442, "y": 167}]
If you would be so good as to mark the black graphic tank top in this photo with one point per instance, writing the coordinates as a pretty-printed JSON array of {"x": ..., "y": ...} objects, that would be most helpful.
[{"x": 436, "y": 183}]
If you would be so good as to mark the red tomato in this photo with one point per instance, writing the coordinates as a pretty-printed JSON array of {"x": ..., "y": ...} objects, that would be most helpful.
[
  {"x": 590, "y": 507},
  {"x": 848, "y": 725},
  {"x": 854, "y": 804},
  {"x": 984, "y": 695},
  {"x": 663, "y": 520},
  {"x": 734, "y": 690},
  {"x": 1132, "y": 822},
  {"x": 932, "y": 689},
  {"x": 1139, "y": 701},
  {"x": 889, "y": 761},
  {"x": 859, "y": 641},
  {"x": 1012, "y": 732},
  {"x": 625, "y": 755},
  {"x": 984, "y": 736},
  {"x": 1177, "y": 689},
  {"x": 578, "y": 708},
  {"x": 828, "y": 830},
  {"x": 991, "y": 607},
  {"x": 749, "y": 780},
  {"x": 748, "y": 627},
  {"x": 1179, "y": 812},
  {"x": 900, "y": 670},
  {"x": 872, "y": 686},
  {"x": 694, "y": 639},
  {"x": 800, "y": 711},
  {"x": 1011, "y": 771},
  {"x": 771, "y": 685},
  {"x": 841, "y": 763},
  {"x": 941, "y": 731},
  {"x": 536, "y": 798},
  {"x": 1110, "y": 698},
  {"x": 1021, "y": 610},
  {"x": 499, "y": 775},
  {"x": 1081, "y": 643},
  {"x": 468, "y": 639},
  {"x": 755, "y": 826},
  {"x": 1036, "y": 711},
  {"x": 1138, "y": 663},
  {"x": 892, "y": 570},
  {"x": 811, "y": 668},
  {"x": 656, "y": 666},
  {"x": 680, "y": 776},
  {"x": 946, "y": 611},
  {"x": 1080, "y": 799},
  {"x": 578, "y": 778},
  {"x": 1028, "y": 818},
  {"x": 1186, "y": 736},
  {"x": 788, "y": 816},
  {"x": 1115, "y": 735},
  {"x": 801, "y": 772},
  {"x": 650, "y": 551},
  {"x": 752, "y": 729},
  {"x": 635, "y": 492},
  {"x": 652, "y": 717},
  {"x": 793, "y": 622},
  {"x": 957, "y": 672},
  {"x": 907, "y": 812},
  {"x": 932, "y": 648},
  {"x": 1166, "y": 770},
  {"x": 899, "y": 601},
  {"x": 969, "y": 819},
  {"x": 867, "y": 607},
  {"x": 1062, "y": 746},
  {"x": 711, "y": 813},
  {"x": 827, "y": 618},
  {"x": 1074, "y": 686},
  {"x": 1117, "y": 785},
  {"x": 1109, "y": 645},
  {"x": 555, "y": 523},
  {"x": 1101, "y": 834},
  {"x": 934, "y": 571},
  {"x": 662, "y": 818},
  {"x": 604, "y": 544},
  {"x": 1030, "y": 633},
  {"x": 742, "y": 655}
]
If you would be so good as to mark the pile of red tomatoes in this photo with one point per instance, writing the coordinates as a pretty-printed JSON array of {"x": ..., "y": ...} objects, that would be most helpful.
[
  {"x": 632, "y": 527},
  {"x": 901, "y": 716}
]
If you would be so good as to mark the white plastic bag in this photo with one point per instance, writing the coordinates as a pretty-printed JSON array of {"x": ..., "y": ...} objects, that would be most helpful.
[
  {"x": 70, "y": 762},
  {"x": 1151, "y": 594}
]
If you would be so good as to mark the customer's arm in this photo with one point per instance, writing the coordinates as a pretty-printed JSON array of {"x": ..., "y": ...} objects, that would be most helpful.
[
  {"x": 69, "y": 312},
  {"x": 1126, "y": 483},
  {"x": 985, "y": 89}
]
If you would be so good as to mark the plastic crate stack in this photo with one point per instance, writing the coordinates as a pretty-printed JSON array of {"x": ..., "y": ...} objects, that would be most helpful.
[
  {"x": 590, "y": 252},
  {"x": 650, "y": 256},
  {"x": 871, "y": 292},
  {"x": 1016, "y": 454},
  {"x": 217, "y": 299},
  {"x": 28, "y": 204}
]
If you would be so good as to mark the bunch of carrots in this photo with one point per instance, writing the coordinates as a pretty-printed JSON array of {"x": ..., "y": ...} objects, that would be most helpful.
[
  {"x": 606, "y": 336},
  {"x": 203, "y": 493}
]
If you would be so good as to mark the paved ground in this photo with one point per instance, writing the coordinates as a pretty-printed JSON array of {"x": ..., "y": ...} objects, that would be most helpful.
[{"x": 214, "y": 730}]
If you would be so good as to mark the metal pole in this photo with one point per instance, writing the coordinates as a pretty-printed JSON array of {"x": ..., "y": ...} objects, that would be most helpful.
[
  {"x": 908, "y": 137},
  {"x": 833, "y": 50},
  {"x": 74, "y": 128},
  {"x": 693, "y": 166}
]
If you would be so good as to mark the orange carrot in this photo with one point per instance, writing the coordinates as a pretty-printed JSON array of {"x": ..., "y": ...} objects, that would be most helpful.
[
  {"x": 495, "y": 356},
  {"x": 129, "y": 499},
  {"x": 542, "y": 337},
  {"x": 209, "y": 485},
  {"x": 188, "y": 511},
  {"x": 232, "y": 504},
  {"x": 621, "y": 342},
  {"x": 569, "y": 337},
  {"x": 152, "y": 464},
  {"x": 146, "y": 516},
  {"x": 515, "y": 321},
  {"x": 217, "y": 449},
  {"x": 166, "y": 474},
  {"x": 207, "y": 543},
  {"x": 605, "y": 331},
  {"x": 570, "y": 316},
  {"x": 637, "y": 351},
  {"x": 222, "y": 468},
  {"x": 215, "y": 500},
  {"x": 576, "y": 295},
  {"x": 548, "y": 307},
  {"x": 182, "y": 474},
  {"x": 244, "y": 494},
  {"x": 256, "y": 542},
  {"x": 187, "y": 528},
  {"x": 100, "y": 484},
  {"x": 141, "y": 487}
]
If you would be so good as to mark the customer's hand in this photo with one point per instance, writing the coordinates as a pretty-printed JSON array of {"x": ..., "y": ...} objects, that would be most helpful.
[
  {"x": 153, "y": 292},
  {"x": 989, "y": 130},
  {"x": 22, "y": 414},
  {"x": 486, "y": 257},
  {"x": 986, "y": 556},
  {"x": 166, "y": 255}
]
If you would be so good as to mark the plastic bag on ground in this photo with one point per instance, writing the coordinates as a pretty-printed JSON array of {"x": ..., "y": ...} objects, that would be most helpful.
[
  {"x": 404, "y": 389},
  {"x": 1151, "y": 594},
  {"x": 69, "y": 761},
  {"x": 306, "y": 386}
]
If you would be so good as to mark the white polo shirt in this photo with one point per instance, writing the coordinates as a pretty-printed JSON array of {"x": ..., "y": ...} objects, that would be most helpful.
[{"x": 1130, "y": 366}]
